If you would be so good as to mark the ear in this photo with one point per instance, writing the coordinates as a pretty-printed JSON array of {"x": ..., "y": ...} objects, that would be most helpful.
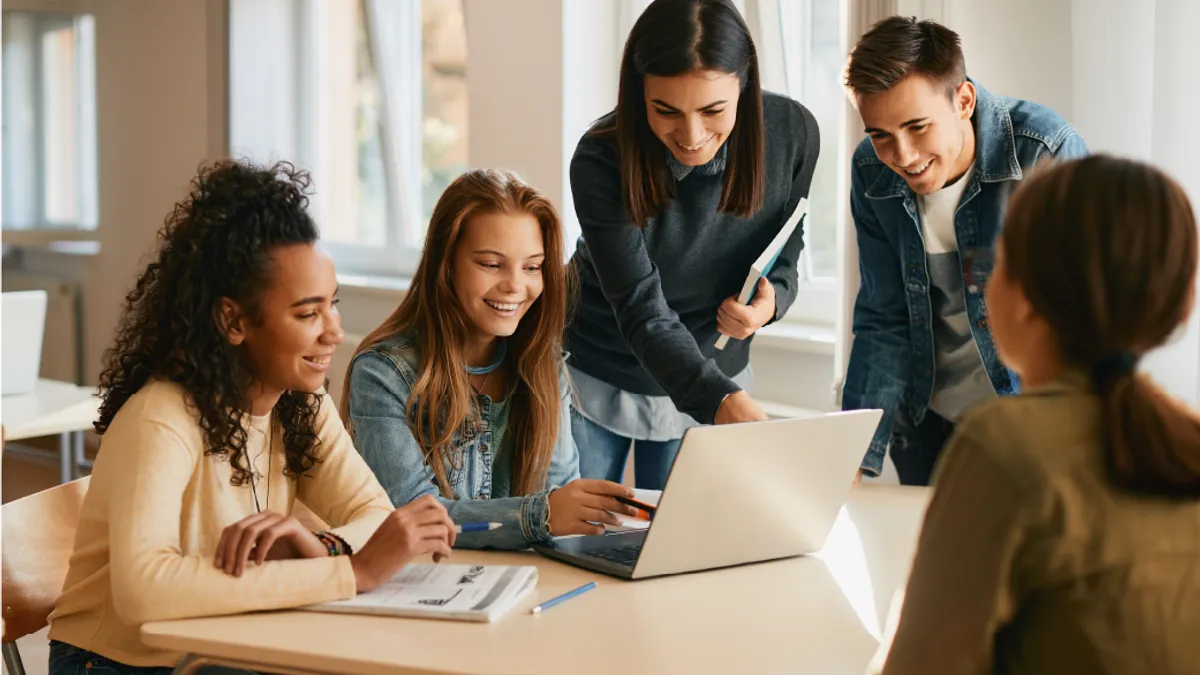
[
  {"x": 1025, "y": 313},
  {"x": 231, "y": 321},
  {"x": 964, "y": 100}
]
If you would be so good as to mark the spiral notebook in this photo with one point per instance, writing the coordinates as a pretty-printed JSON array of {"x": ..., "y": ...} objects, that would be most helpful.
[{"x": 461, "y": 592}]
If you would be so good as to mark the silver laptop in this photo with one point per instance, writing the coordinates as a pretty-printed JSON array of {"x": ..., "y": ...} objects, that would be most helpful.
[
  {"x": 737, "y": 494},
  {"x": 23, "y": 316}
]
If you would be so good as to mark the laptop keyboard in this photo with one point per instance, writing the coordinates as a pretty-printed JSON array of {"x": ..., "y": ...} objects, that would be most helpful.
[{"x": 622, "y": 555}]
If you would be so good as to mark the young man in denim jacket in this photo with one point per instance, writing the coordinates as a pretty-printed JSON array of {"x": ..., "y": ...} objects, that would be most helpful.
[{"x": 928, "y": 190}]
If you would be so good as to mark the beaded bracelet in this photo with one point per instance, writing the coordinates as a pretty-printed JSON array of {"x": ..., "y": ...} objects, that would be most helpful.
[
  {"x": 342, "y": 545},
  {"x": 330, "y": 543}
]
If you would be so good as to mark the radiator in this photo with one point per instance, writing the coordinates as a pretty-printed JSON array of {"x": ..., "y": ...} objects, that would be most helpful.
[{"x": 62, "y": 356}]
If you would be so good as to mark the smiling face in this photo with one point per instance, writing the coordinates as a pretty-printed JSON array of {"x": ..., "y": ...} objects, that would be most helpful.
[
  {"x": 694, "y": 113},
  {"x": 288, "y": 343},
  {"x": 498, "y": 272},
  {"x": 920, "y": 133}
]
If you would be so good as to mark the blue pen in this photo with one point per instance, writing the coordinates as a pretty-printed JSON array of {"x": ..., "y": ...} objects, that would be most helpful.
[
  {"x": 565, "y": 596},
  {"x": 477, "y": 527}
]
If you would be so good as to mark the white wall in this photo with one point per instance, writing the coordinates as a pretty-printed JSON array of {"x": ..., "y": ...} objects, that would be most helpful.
[
  {"x": 1125, "y": 73},
  {"x": 537, "y": 79},
  {"x": 515, "y": 84},
  {"x": 1015, "y": 54},
  {"x": 161, "y": 112},
  {"x": 591, "y": 29},
  {"x": 1175, "y": 147}
]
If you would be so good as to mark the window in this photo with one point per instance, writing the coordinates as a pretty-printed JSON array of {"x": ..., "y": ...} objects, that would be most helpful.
[
  {"x": 370, "y": 96},
  {"x": 802, "y": 51},
  {"x": 444, "y": 74},
  {"x": 814, "y": 54},
  {"x": 49, "y": 115}
]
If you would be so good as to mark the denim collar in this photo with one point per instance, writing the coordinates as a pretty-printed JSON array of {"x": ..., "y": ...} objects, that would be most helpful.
[
  {"x": 995, "y": 148},
  {"x": 713, "y": 167}
]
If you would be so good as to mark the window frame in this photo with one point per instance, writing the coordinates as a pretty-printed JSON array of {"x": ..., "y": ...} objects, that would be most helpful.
[{"x": 36, "y": 225}]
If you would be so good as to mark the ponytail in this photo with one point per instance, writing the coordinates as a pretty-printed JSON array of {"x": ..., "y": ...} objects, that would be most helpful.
[
  {"x": 1152, "y": 441},
  {"x": 1128, "y": 286}
]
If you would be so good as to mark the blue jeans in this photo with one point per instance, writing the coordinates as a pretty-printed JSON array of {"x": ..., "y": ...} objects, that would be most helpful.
[
  {"x": 68, "y": 659},
  {"x": 603, "y": 453}
]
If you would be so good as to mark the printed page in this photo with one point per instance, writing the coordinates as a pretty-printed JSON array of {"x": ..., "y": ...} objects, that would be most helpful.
[{"x": 442, "y": 590}]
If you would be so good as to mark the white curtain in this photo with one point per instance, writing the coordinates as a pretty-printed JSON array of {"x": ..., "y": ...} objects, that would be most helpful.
[
  {"x": 628, "y": 12},
  {"x": 861, "y": 14},
  {"x": 395, "y": 36}
]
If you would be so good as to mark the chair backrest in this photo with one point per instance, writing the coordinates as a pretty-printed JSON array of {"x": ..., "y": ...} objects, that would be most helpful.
[{"x": 38, "y": 538}]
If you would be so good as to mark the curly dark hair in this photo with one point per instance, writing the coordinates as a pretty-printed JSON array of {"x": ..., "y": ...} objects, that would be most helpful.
[{"x": 214, "y": 244}]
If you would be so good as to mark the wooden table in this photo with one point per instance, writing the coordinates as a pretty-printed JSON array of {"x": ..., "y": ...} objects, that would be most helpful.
[{"x": 814, "y": 614}]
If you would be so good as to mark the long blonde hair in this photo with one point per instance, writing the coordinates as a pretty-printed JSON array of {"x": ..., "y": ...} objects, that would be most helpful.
[{"x": 442, "y": 400}]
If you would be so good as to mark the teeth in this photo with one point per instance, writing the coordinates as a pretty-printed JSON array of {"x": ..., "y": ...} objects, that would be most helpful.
[
  {"x": 319, "y": 360},
  {"x": 693, "y": 148},
  {"x": 503, "y": 306},
  {"x": 918, "y": 171}
]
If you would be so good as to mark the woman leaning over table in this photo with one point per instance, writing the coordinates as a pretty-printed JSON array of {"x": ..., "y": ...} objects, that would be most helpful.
[{"x": 678, "y": 191}]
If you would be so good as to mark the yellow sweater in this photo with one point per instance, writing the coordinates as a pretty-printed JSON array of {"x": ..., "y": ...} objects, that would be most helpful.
[{"x": 154, "y": 512}]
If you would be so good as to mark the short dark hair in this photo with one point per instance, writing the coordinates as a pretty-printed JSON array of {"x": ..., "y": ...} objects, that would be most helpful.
[
  {"x": 900, "y": 46},
  {"x": 674, "y": 37}
]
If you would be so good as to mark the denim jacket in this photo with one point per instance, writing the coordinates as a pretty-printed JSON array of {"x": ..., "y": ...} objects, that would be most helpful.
[
  {"x": 892, "y": 358},
  {"x": 381, "y": 381}
]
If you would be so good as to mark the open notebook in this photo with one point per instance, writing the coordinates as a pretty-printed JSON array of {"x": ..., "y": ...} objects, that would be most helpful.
[
  {"x": 463, "y": 592},
  {"x": 629, "y": 523}
]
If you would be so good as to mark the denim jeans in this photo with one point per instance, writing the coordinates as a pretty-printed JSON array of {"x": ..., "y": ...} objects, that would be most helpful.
[
  {"x": 915, "y": 449},
  {"x": 603, "y": 453},
  {"x": 68, "y": 659}
]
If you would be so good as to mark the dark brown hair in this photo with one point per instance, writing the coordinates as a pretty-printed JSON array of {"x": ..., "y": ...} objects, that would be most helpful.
[
  {"x": 1106, "y": 251},
  {"x": 675, "y": 37},
  {"x": 442, "y": 401},
  {"x": 900, "y": 46}
]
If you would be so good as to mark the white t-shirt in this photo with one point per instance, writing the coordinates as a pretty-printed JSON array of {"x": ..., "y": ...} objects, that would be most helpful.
[
  {"x": 960, "y": 379},
  {"x": 937, "y": 215}
]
